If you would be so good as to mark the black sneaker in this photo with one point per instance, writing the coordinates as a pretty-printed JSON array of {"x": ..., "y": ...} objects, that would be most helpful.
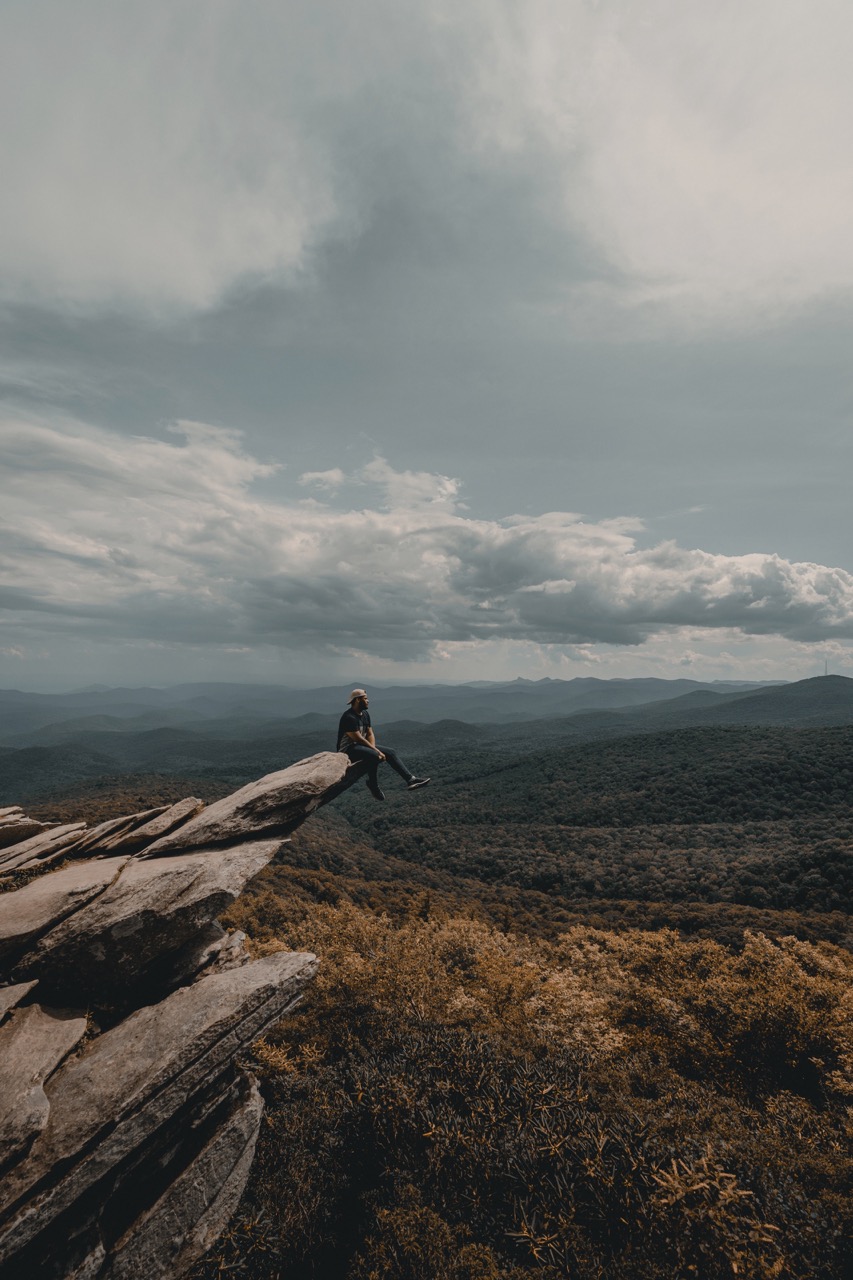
[
  {"x": 376, "y": 792},
  {"x": 414, "y": 783}
]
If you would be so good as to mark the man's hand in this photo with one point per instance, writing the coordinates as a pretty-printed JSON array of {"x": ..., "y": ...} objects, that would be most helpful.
[{"x": 365, "y": 742}]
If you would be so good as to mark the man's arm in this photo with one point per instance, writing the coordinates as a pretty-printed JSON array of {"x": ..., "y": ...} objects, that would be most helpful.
[{"x": 365, "y": 741}]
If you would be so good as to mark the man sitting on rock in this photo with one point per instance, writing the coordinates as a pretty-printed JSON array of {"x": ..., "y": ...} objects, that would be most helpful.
[{"x": 356, "y": 739}]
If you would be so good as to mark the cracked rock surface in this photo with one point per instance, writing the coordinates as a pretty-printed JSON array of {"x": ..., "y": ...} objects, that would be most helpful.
[{"x": 128, "y": 1128}]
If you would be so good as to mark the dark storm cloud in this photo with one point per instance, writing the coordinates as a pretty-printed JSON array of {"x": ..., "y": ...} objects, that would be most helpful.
[{"x": 587, "y": 255}]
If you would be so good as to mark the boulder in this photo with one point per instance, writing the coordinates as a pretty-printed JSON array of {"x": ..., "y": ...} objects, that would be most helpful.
[
  {"x": 32, "y": 1043},
  {"x": 27, "y": 913},
  {"x": 130, "y": 933},
  {"x": 274, "y": 805}
]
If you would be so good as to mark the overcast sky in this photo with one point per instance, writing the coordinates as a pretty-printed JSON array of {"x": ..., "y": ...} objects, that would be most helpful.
[{"x": 409, "y": 339}]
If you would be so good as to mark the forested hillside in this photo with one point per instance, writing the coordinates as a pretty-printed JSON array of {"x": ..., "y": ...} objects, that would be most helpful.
[{"x": 584, "y": 1010}]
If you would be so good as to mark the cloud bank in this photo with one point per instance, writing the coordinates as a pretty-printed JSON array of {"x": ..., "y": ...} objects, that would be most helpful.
[
  {"x": 172, "y": 541},
  {"x": 690, "y": 155}
]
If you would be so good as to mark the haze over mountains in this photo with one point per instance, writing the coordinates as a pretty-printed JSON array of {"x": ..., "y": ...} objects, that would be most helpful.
[
  {"x": 191, "y": 705},
  {"x": 51, "y": 741}
]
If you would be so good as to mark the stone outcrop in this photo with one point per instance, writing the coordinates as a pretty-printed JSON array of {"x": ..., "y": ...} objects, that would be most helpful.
[
  {"x": 35, "y": 909},
  {"x": 16, "y": 826},
  {"x": 40, "y": 849},
  {"x": 128, "y": 1128},
  {"x": 273, "y": 806}
]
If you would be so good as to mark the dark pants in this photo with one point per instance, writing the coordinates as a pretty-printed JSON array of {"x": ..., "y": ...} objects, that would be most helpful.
[{"x": 370, "y": 756}]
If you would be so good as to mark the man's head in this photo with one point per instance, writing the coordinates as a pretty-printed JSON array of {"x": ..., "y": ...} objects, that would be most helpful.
[{"x": 358, "y": 699}]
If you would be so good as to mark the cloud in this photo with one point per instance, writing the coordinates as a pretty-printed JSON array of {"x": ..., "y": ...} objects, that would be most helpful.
[
  {"x": 168, "y": 541},
  {"x": 691, "y": 156},
  {"x": 329, "y": 481}
]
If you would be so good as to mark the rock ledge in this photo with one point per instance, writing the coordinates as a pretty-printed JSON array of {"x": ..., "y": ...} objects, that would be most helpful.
[{"x": 128, "y": 1129}]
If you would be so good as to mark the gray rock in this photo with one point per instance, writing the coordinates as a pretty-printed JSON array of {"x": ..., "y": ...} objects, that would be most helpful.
[
  {"x": 38, "y": 847},
  {"x": 148, "y": 913},
  {"x": 274, "y": 805},
  {"x": 233, "y": 952},
  {"x": 98, "y": 837},
  {"x": 15, "y": 826},
  {"x": 133, "y": 1081},
  {"x": 192, "y": 1214},
  {"x": 212, "y": 951},
  {"x": 12, "y": 996},
  {"x": 27, "y": 913},
  {"x": 197, "y": 956},
  {"x": 47, "y": 863},
  {"x": 128, "y": 1157},
  {"x": 32, "y": 1043},
  {"x": 166, "y": 820}
]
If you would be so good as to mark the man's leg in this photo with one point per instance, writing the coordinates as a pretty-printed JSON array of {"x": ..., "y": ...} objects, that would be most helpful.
[
  {"x": 396, "y": 763},
  {"x": 406, "y": 774},
  {"x": 366, "y": 755}
]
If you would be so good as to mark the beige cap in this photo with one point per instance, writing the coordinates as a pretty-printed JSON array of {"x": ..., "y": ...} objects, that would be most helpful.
[{"x": 357, "y": 693}]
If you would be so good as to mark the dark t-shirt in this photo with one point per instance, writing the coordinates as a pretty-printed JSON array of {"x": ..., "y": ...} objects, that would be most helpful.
[{"x": 352, "y": 722}]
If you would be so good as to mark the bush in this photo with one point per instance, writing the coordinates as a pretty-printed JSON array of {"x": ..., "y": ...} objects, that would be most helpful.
[{"x": 452, "y": 1101}]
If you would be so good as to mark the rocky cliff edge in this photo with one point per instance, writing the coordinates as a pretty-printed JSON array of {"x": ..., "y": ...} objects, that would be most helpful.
[{"x": 127, "y": 1128}]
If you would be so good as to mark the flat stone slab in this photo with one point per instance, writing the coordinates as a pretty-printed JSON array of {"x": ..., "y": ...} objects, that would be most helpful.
[
  {"x": 150, "y": 911},
  {"x": 32, "y": 1044},
  {"x": 274, "y": 804},
  {"x": 40, "y": 846},
  {"x": 98, "y": 837},
  {"x": 137, "y": 837},
  {"x": 27, "y": 913},
  {"x": 132, "y": 1080}
]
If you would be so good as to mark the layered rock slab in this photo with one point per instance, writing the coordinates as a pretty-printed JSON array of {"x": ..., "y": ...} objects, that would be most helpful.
[
  {"x": 191, "y": 1215},
  {"x": 128, "y": 1148},
  {"x": 273, "y": 805},
  {"x": 39, "y": 848},
  {"x": 27, "y": 913},
  {"x": 32, "y": 1044},
  {"x": 130, "y": 834},
  {"x": 149, "y": 912},
  {"x": 100, "y": 836},
  {"x": 128, "y": 1087},
  {"x": 15, "y": 825}
]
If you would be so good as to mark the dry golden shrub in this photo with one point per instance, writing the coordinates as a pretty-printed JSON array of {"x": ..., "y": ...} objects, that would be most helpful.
[{"x": 454, "y": 1101}]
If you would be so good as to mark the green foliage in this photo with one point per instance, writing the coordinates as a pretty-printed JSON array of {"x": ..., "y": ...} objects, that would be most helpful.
[{"x": 756, "y": 817}]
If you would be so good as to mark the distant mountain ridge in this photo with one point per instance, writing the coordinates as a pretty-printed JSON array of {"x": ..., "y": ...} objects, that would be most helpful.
[
  {"x": 190, "y": 705},
  {"x": 244, "y": 744}
]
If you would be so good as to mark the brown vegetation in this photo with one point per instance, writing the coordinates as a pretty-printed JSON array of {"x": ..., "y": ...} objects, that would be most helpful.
[{"x": 454, "y": 1101}]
